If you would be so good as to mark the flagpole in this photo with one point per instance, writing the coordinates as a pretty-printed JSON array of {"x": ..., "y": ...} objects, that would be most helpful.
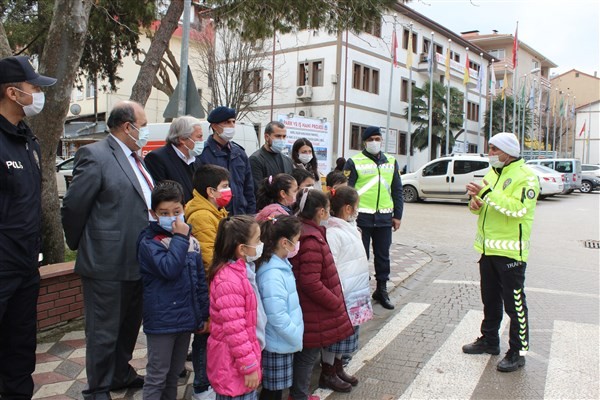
[
  {"x": 479, "y": 81},
  {"x": 389, "y": 109},
  {"x": 522, "y": 127},
  {"x": 532, "y": 98},
  {"x": 547, "y": 119},
  {"x": 429, "y": 131},
  {"x": 448, "y": 51},
  {"x": 515, "y": 68},
  {"x": 409, "y": 134},
  {"x": 504, "y": 98},
  {"x": 492, "y": 97},
  {"x": 554, "y": 123},
  {"x": 589, "y": 134},
  {"x": 574, "y": 127},
  {"x": 560, "y": 133},
  {"x": 466, "y": 102}
]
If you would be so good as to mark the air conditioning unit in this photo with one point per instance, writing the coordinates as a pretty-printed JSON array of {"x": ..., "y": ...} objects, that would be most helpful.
[
  {"x": 304, "y": 93},
  {"x": 423, "y": 57}
]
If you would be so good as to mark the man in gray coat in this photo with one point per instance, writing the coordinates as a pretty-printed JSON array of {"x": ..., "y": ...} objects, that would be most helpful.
[{"x": 103, "y": 212}]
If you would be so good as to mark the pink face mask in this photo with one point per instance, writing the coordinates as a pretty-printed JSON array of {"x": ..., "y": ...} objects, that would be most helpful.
[
  {"x": 293, "y": 253},
  {"x": 225, "y": 198}
]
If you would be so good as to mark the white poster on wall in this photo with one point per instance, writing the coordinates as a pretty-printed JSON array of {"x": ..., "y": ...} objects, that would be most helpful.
[
  {"x": 319, "y": 134},
  {"x": 390, "y": 143}
]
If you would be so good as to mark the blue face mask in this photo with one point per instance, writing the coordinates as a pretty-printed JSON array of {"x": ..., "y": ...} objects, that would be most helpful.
[
  {"x": 167, "y": 222},
  {"x": 278, "y": 145}
]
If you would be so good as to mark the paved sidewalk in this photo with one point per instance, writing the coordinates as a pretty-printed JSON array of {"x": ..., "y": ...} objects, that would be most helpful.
[{"x": 60, "y": 370}]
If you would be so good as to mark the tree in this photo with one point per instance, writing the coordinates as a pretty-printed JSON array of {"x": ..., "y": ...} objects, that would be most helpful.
[
  {"x": 234, "y": 68},
  {"x": 497, "y": 122},
  {"x": 5, "y": 49},
  {"x": 420, "y": 117}
]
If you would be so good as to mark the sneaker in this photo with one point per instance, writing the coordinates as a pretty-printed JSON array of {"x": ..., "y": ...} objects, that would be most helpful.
[
  {"x": 512, "y": 361},
  {"x": 480, "y": 346},
  {"x": 208, "y": 394}
]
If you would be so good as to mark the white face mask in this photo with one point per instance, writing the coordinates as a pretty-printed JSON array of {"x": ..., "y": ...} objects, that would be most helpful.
[
  {"x": 373, "y": 147},
  {"x": 228, "y": 134},
  {"x": 278, "y": 145},
  {"x": 36, "y": 106},
  {"x": 143, "y": 134},
  {"x": 305, "y": 158},
  {"x": 197, "y": 149},
  {"x": 495, "y": 162},
  {"x": 259, "y": 250}
]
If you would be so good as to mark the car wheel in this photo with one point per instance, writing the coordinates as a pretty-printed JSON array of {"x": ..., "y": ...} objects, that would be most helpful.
[
  {"x": 586, "y": 187},
  {"x": 410, "y": 194}
]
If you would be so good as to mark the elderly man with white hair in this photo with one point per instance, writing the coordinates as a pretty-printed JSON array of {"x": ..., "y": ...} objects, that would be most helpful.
[
  {"x": 176, "y": 160},
  {"x": 505, "y": 202}
]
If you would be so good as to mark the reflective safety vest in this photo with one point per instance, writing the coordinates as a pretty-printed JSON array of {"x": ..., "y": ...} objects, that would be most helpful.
[{"x": 374, "y": 184}]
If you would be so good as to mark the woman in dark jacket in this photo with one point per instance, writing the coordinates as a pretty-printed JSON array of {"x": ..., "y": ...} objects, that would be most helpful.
[{"x": 324, "y": 312}]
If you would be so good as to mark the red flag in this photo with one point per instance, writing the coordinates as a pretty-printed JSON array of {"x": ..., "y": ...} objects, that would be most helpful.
[
  {"x": 467, "y": 77},
  {"x": 582, "y": 129},
  {"x": 515, "y": 47},
  {"x": 395, "y": 49}
]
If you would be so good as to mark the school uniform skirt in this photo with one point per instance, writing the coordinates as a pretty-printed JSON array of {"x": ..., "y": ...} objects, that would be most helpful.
[
  {"x": 277, "y": 370},
  {"x": 345, "y": 346},
  {"x": 253, "y": 395}
]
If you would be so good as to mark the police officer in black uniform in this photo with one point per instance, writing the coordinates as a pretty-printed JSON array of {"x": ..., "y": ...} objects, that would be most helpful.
[{"x": 20, "y": 224}]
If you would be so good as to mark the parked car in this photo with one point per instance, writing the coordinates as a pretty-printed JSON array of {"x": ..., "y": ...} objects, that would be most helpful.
[
  {"x": 589, "y": 183},
  {"x": 551, "y": 182},
  {"x": 64, "y": 171},
  {"x": 590, "y": 169},
  {"x": 445, "y": 177},
  {"x": 571, "y": 167}
]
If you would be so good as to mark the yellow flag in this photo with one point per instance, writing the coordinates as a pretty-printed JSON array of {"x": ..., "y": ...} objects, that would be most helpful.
[
  {"x": 504, "y": 84},
  {"x": 409, "y": 51},
  {"x": 466, "y": 77},
  {"x": 448, "y": 64}
]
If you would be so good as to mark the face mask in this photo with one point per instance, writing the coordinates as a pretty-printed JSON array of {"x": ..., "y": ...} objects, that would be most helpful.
[
  {"x": 495, "y": 162},
  {"x": 167, "y": 222},
  {"x": 305, "y": 158},
  {"x": 143, "y": 134},
  {"x": 259, "y": 249},
  {"x": 197, "y": 149},
  {"x": 278, "y": 145},
  {"x": 228, "y": 134},
  {"x": 36, "y": 106},
  {"x": 293, "y": 253},
  {"x": 373, "y": 147},
  {"x": 225, "y": 198}
]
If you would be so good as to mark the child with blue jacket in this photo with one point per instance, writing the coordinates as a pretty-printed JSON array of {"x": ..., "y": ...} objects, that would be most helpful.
[
  {"x": 175, "y": 296},
  {"x": 277, "y": 287}
]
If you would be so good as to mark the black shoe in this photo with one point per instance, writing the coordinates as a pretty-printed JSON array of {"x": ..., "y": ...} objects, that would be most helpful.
[
  {"x": 512, "y": 361},
  {"x": 189, "y": 357},
  {"x": 480, "y": 346},
  {"x": 381, "y": 295},
  {"x": 137, "y": 383}
]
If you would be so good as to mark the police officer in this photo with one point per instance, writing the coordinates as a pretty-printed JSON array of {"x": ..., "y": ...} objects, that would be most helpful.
[
  {"x": 505, "y": 204},
  {"x": 376, "y": 177},
  {"x": 20, "y": 224}
]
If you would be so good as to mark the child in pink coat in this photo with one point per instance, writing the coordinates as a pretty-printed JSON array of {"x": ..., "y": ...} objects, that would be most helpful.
[{"x": 234, "y": 353}]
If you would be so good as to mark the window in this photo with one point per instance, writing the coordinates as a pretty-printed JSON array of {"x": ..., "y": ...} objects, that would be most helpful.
[
  {"x": 474, "y": 65},
  {"x": 252, "y": 81},
  {"x": 373, "y": 27},
  {"x": 310, "y": 73},
  {"x": 467, "y": 166},
  {"x": 404, "y": 90},
  {"x": 90, "y": 88},
  {"x": 437, "y": 168},
  {"x": 498, "y": 54},
  {"x": 402, "y": 144},
  {"x": 426, "y": 44},
  {"x": 455, "y": 56},
  {"x": 355, "y": 136},
  {"x": 472, "y": 111},
  {"x": 365, "y": 78},
  {"x": 472, "y": 148},
  {"x": 439, "y": 49},
  {"x": 535, "y": 63},
  {"x": 564, "y": 166},
  {"x": 405, "y": 40}
]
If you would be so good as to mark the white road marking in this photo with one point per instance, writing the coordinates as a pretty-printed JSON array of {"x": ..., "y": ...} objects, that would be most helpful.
[
  {"x": 573, "y": 365},
  {"x": 380, "y": 341}
]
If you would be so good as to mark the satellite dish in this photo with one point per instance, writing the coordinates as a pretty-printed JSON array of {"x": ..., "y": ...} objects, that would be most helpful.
[{"x": 75, "y": 109}]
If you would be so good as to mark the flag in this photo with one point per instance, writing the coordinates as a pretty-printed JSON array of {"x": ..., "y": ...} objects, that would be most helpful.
[
  {"x": 493, "y": 82},
  {"x": 409, "y": 51},
  {"x": 554, "y": 103},
  {"x": 504, "y": 84},
  {"x": 561, "y": 108},
  {"x": 522, "y": 100},
  {"x": 395, "y": 49},
  {"x": 467, "y": 78},
  {"x": 532, "y": 97},
  {"x": 515, "y": 47},
  {"x": 448, "y": 64},
  {"x": 582, "y": 129},
  {"x": 479, "y": 80},
  {"x": 430, "y": 59}
]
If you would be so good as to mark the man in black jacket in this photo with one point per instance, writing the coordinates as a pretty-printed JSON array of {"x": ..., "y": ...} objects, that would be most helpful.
[
  {"x": 269, "y": 159},
  {"x": 20, "y": 224}
]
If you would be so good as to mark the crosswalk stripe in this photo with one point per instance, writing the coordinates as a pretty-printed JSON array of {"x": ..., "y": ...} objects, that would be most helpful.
[
  {"x": 451, "y": 374},
  {"x": 573, "y": 364},
  {"x": 527, "y": 289},
  {"x": 380, "y": 341}
]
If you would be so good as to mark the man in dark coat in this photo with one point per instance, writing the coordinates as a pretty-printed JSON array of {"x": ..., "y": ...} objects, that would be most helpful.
[{"x": 269, "y": 160}]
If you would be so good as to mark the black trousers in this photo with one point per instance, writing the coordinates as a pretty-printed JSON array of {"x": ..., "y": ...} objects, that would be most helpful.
[
  {"x": 382, "y": 240},
  {"x": 113, "y": 315},
  {"x": 18, "y": 319},
  {"x": 503, "y": 285}
]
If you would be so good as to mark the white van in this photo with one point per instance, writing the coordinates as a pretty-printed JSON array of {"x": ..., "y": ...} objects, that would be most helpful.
[
  {"x": 571, "y": 167},
  {"x": 245, "y": 136}
]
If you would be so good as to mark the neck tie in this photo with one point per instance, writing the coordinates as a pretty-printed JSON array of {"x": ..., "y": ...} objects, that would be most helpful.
[{"x": 142, "y": 170}]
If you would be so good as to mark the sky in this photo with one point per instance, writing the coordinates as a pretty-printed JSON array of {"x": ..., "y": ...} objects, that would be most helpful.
[{"x": 565, "y": 31}]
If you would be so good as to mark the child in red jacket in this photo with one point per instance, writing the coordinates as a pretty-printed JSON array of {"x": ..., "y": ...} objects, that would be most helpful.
[{"x": 324, "y": 311}]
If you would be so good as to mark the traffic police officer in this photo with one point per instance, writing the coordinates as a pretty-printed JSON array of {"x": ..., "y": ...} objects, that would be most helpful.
[
  {"x": 376, "y": 177},
  {"x": 505, "y": 203}
]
